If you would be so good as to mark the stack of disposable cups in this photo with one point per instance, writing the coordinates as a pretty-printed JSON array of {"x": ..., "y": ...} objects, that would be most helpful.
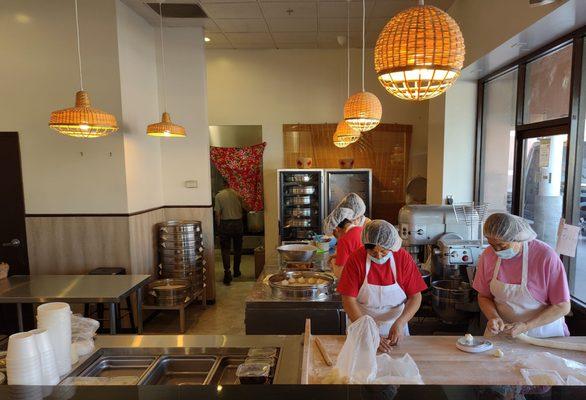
[
  {"x": 56, "y": 319},
  {"x": 23, "y": 361},
  {"x": 48, "y": 361}
]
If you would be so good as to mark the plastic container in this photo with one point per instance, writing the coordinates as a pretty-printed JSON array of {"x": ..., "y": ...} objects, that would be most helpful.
[
  {"x": 56, "y": 319},
  {"x": 262, "y": 352},
  {"x": 49, "y": 370},
  {"x": 253, "y": 374},
  {"x": 23, "y": 361},
  {"x": 542, "y": 377},
  {"x": 262, "y": 360}
]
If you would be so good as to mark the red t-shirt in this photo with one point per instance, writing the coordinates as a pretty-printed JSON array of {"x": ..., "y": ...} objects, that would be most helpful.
[
  {"x": 408, "y": 276},
  {"x": 348, "y": 244}
]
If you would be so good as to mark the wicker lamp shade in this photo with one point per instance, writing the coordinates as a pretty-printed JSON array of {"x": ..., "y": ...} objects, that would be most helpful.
[
  {"x": 419, "y": 53},
  {"x": 347, "y": 134},
  {"x": 82, "y": 120},
  {"x": 166, "y": 128},
  {"x": 338, "y": 141},
  {"x": 363, "y": 111}
]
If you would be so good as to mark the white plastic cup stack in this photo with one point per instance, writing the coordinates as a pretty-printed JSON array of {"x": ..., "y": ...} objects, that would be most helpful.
[
  {"x": 49, "y": 370},
  {"x": 23, "y": 361},
  {"x": 56, "y": 319}
]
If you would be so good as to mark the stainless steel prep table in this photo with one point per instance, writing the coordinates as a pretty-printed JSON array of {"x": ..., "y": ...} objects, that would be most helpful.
[
  {"x": 266, "y": 315},
  {"x": 75, "y": 289}
]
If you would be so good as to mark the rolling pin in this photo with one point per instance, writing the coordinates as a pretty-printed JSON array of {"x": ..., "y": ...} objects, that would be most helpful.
[{"x": 323, "y": 352}]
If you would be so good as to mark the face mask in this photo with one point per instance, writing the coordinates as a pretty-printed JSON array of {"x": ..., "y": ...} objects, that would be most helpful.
[
  {"x": 507, "y": 253},
  {"x": 381, "y": 261}
]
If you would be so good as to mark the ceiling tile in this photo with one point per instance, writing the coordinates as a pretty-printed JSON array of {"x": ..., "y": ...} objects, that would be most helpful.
[
  {"x": 217, "y": 1},
  {"x": 388, "y": 8},
  {"x": 217, "y": 38},
  {"x": 295, "y": 37},
  {"x": 255, "y": 46},
  {"x": 339, "y": 9},
  {"x": 292, "y": 9},
  {"x": 312, "y": 45},
  {"x": 255, "y": 38},
  {"x": 339, "y": 24},
  {"x": 232, "y": 10},
  {"x": 210, "y": 26},
  {"x": 242, "y": 25},
  {"x": 292, "y": 24}
]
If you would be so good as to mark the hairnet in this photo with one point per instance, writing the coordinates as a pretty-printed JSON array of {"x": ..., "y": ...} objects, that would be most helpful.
[
  {"x": 335, "y": 218},
  {"x": 508, "y": 228},
  {"x": 382, "y": 233},
  {"x": 354, "y": 203}
]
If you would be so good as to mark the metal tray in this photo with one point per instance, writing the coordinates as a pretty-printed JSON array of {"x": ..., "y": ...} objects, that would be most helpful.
[
  {"x": 305, "y": 292},
  {"x": 300, "y": 212},
  {"x": 225, "y": 371},
  {"x": 301, "y": 190},
  {"x": 175, "y": 227},
  {"x": 181, "y": 370},
  {"x": 114, "y": 366},
  {"x": 299, "y": 178},
  {"x": 298, "y": 201}
]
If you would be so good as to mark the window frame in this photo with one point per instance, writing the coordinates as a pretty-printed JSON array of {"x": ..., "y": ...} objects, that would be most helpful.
[{"x": 573, "y": 124}]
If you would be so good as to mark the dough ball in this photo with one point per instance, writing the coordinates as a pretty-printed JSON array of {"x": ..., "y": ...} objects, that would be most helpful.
[
  {"x": 301, "y": 280},
  {"x": 312, "y": 281},
  {"x": 292, "y": 281},
  {"x": 284, "y": 282},
  {"x": 498, "y": 353},
  {"x": 468, "y": 339}
]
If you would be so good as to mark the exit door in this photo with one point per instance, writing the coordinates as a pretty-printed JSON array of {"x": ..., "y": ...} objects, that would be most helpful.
[{"x": 13, "y": 247}]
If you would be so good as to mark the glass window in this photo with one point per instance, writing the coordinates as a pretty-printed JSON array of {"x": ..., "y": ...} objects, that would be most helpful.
[
  {"x": 500, "y": 96},
  {"x": 543, "y": 184},
  {"x": 547, "y": 86}
]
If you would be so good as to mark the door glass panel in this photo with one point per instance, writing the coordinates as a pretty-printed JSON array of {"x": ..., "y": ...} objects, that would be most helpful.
[
  {"x": 500, "y": 96},
  {"x": 543, "y": 181},
  {"x": 547, "y": 86}
]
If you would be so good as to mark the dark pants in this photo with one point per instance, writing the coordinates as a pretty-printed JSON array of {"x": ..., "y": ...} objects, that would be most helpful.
[{"x": 231, "y": 231}]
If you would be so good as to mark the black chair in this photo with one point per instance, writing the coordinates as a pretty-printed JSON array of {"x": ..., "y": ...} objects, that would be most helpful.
[{"x": 100, "y": 306}]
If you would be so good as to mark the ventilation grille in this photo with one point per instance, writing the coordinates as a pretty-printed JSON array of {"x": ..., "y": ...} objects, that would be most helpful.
[{"x": 180, "y": 10}]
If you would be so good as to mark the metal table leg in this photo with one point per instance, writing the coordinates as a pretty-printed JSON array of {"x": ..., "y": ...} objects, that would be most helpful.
[
  {"x": 139, "y": 310},
  {"x": 19, "y": 315},
  {"x": 112, "y": 318}
]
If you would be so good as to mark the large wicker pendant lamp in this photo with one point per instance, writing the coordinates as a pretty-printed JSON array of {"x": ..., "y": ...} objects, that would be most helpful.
[
  {"x": 82, "y": 120},
  {"x": 419, "y": 53},
  {"x": 363, "y": 110},
  {"x": 165, "y": 128},
  {"x": 345, "y": 135}
]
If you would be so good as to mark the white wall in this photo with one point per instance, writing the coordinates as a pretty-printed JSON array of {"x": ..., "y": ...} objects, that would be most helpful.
[
  {"x": 276, "y": 87},
  {"x": 186, "y": 158},
  {"x": 140, "y": 106},
  {"x": 39, "y": 73}
]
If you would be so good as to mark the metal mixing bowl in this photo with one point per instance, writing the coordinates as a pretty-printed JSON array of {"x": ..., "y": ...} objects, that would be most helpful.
[{"x": 297, "y": 252}]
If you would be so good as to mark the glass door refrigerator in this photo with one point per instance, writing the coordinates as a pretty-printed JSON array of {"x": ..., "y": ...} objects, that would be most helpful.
[
  {"x": 301, "y": 205},
  {"x": 340, "y": 182}
]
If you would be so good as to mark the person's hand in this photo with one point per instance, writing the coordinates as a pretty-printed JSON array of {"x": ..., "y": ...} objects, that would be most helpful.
[
  {"x": 397, "y": 332},
  {"x": 516, "y": 328},
  {"x": 496, "y": 325},
  {"x": 384, "y": 346}
]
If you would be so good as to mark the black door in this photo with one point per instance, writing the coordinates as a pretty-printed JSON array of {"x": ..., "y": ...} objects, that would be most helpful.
[{"x": 13, "y": 248}]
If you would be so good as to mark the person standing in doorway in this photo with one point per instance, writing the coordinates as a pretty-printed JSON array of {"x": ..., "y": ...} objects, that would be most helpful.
[{"x": 228, "y": 210}]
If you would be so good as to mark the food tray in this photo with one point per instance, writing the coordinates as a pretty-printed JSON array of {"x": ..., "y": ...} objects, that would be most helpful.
[
  {"x": 542, "y": 377},
  {"x": 305, "y": 291}
]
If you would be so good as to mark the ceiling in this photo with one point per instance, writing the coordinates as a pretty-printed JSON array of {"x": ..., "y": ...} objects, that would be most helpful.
[{"x": 284, "y": 24}]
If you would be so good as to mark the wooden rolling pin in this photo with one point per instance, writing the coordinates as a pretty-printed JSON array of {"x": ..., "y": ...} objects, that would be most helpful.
[{"x": 323, "y": 352}]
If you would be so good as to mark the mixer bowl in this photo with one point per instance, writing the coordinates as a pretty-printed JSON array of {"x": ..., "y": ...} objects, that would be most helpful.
[
  {"x": 451, "y": 300},
  {"x": 297, "y": 252}
]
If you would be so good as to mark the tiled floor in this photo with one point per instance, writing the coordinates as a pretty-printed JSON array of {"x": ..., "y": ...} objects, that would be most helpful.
[{"x": 225, "y": 317}]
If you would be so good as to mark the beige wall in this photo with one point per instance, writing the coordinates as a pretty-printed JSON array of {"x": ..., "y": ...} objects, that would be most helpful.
[{"x": 275, "y": 87}]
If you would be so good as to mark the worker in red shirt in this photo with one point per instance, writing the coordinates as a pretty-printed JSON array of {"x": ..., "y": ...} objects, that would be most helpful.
[
  {"x": 341, "y": 223},
  {"x": 381, "y": 279}
]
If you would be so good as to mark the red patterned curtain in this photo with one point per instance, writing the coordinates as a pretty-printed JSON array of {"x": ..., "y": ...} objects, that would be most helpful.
[{"x": 241, "y": 167}]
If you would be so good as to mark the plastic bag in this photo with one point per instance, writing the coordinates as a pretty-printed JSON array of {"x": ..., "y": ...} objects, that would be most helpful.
[
  {"x": 565, "y": 367},
  {"x": 83, "y": 331},
  {"x": 358, "y": 363}
]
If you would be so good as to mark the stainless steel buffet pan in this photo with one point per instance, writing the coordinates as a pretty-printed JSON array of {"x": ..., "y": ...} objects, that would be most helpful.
[
  {"x": 298, "y": 223},
  {"x": 305, "y": 292},
  {"x": 298, "y": 201},
  {"x": 300, "y": 212},
  {"x": 302, "y": 190},
  {"x": 299, "y": 178}
]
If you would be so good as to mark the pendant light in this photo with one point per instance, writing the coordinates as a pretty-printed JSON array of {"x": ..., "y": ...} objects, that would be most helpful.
[
  {"x": 82, "y": 120},
  {"x": 344, "y": 133},
  {"x": 419, "y": 53},
  {"x": 165, "y": 128},
  {"x": 363, "y": 110},
  {"x": 338, "y": 142}
]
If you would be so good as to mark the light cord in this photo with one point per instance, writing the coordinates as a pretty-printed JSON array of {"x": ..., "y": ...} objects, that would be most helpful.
[
  {"x": 78, "y": 46},
  {"x": 363, "y": 30},
  {"x": 348, "y": 50},
  {"x": 163, "y": 59}
]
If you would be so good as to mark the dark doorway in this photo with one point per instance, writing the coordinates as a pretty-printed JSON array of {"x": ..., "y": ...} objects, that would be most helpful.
[{"x": 13, "y": 247}]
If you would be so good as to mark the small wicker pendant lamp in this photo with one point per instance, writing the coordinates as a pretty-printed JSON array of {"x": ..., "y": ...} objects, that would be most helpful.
[
  {"x": 363, "y": 110},
  {"x": 82, "y": 120},
  {"x": 344, "y": 135},
  {"x": 419, "y": 53},
  {"x": 165, "y": 128}
]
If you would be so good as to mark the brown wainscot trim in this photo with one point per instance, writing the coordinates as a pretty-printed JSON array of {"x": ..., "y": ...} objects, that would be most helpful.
[{"x": 132, "y": 214}]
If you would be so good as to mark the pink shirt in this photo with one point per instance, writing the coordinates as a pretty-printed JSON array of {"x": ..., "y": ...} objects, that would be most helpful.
[{"x": 546, "y": 281}]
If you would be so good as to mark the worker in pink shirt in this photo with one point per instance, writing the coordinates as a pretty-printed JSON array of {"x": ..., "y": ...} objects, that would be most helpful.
[{"x": 521, "y": 281}]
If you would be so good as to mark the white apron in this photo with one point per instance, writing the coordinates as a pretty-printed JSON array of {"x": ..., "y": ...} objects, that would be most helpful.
[
  {"x": 383, "y": 303},
  {"x": 515, "y": 303}
]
